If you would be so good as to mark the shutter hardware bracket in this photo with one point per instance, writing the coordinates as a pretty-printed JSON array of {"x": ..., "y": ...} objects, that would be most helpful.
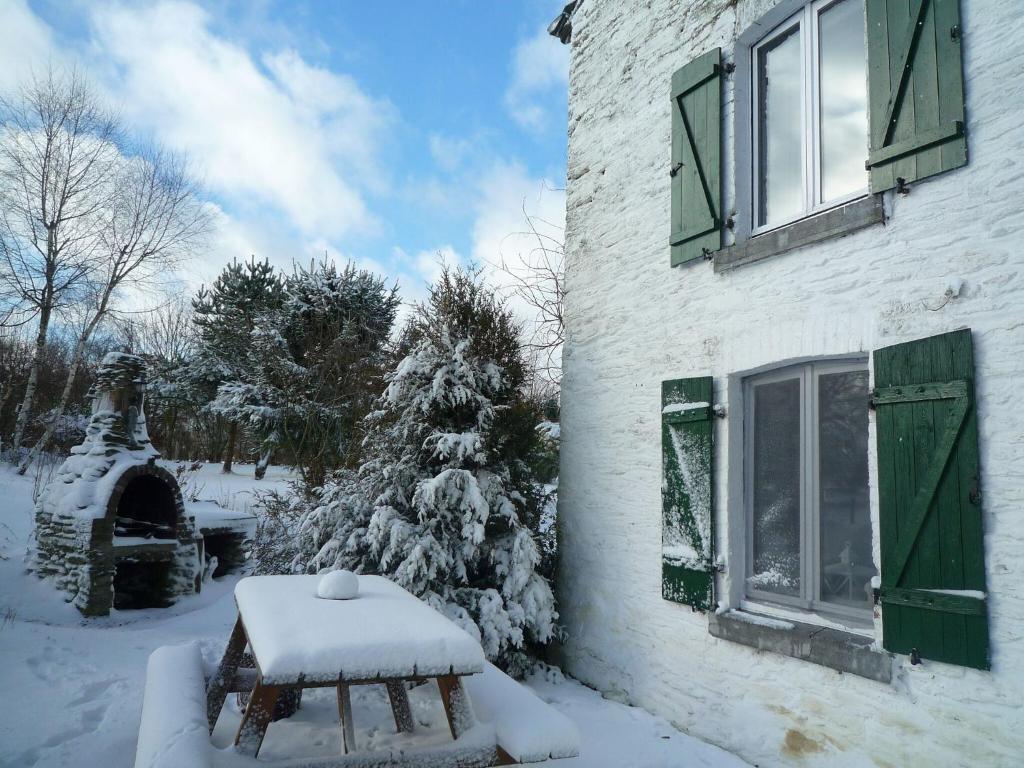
[
  {"x": 915, "y": 657},
  {"x": 901, "y": 186},
  {"x": 954, "y": 32},
  {"x": 674, "y": 169}
]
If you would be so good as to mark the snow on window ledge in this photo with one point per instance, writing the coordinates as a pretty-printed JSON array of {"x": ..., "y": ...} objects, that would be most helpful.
[{"x": 827, "y": 646}]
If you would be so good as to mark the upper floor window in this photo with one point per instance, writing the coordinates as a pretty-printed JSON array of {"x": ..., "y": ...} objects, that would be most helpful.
[{"x": 810, "y": 118}]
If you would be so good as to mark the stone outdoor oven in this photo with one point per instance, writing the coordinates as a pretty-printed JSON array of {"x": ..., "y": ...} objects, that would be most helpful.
[{"x": 111, "y": 527}]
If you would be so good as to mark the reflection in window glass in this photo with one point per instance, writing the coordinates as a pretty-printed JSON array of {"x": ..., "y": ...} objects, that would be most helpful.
[
  {"x": 776, "y": 488},
  {"x": 845, "y": 520},
  {"x": 780, "y": 128},
  {"x": 843, "y": 99}
]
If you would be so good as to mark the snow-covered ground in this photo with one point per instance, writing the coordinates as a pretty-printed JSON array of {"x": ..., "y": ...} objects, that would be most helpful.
[{"x": 72, "y": 688}]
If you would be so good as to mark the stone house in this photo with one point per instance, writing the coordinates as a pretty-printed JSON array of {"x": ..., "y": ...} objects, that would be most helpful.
[{"x": 792, "y": 460}]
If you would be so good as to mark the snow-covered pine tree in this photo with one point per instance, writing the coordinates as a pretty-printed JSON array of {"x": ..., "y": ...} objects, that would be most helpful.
[
  {"x": 226, "y": 315},
  {"x": 314, "y": 366},
  {"x": 445, "y": 504}
]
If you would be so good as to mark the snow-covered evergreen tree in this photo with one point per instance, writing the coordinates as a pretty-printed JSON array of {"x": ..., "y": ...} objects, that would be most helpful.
[
  {"x": 445, "y": 504},
  {"x": 226, "y": 315},
  {"x": 312, "y": 367}
]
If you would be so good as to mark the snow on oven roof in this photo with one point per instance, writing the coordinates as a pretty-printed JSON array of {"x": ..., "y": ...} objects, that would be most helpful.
[{"x": 384, "y": 632}]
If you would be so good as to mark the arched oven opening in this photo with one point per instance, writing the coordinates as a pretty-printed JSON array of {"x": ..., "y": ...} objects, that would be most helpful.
[{"x": 146, "y": 510}]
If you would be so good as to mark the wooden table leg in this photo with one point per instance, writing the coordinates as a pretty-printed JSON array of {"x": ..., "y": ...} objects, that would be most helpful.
[
  {"x": 258, "y": 714},
  {"x": 217, "y": 690},
  {"x": 456, "y": 704},
  {"x": 400, "y": 706},
  {"x": 348, "y": 730}
]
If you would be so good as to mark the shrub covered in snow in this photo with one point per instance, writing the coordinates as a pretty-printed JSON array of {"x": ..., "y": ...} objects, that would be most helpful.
[{"x": 446, "y": 504}]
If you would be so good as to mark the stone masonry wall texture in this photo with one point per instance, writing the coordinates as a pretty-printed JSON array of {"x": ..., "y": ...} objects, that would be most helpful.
[{"x": 634, "y": 321}]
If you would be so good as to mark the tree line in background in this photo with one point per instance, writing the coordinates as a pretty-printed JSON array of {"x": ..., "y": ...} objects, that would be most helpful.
[{"x": 424, "y": 451}]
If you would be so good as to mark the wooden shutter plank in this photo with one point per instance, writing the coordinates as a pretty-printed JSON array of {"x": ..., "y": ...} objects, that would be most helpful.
[
  {"x": 950, "y": 78},
  {"x": 879, "y": 85},
  {"x": 926, "y": 551},
  {"x": 687, "y": 492},
  {"x": 900, "y": 127},
  {"x": 926, "y": 93}
]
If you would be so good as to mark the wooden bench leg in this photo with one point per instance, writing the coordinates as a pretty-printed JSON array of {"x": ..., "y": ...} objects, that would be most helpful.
[
  {"x": 348, "y": 730},
  {"x": 224, "y": 678},
  {"x": 400, "y": 706},
  {"x": 456, "y": 704},
  {"x": 258, "y": 714}
]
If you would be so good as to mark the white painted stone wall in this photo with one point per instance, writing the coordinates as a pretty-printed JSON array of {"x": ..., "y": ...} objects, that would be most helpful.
[{"x": 634, "y": 321}]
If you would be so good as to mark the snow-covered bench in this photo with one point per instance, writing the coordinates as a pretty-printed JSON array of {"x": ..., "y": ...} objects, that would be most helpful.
[
  {"x": 174, "y": 730},
  {"x": 527, "y": 729}
]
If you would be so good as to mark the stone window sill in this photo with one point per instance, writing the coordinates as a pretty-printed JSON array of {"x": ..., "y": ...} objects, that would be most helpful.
[
  {"x": 833, "y": 648},
  {"x": 836, "y": 222}
]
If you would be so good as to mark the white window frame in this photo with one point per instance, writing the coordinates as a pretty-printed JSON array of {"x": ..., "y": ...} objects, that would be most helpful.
[
  {"x": 810, "y": 152},
  {"x": 809, "y": 601}
]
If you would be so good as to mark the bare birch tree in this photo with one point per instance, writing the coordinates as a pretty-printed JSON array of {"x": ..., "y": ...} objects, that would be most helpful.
[
  {"x": 154, "y": 220},
  {"x": 58, "y": 157}
]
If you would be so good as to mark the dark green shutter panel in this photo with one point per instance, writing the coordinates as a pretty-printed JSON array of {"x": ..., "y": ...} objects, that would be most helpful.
[
  {"x": 696, "y": 157},
  {"x": 687, "y": 570},
  {"x": 915, "y": 90},
  {"x": 933, "y": 565}
]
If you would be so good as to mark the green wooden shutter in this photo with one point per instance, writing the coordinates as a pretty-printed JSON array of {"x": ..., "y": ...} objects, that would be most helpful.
[
  {"x": 687, "y": 545},
  {"x": 696, "y": 157},
  {"x": 915, "y": 90},
  {"x": 933, "y": 565}
]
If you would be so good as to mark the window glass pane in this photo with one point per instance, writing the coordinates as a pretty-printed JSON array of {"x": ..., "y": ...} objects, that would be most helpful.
[
  {"x": 780, "y": 128},
  {"x": 843, "y": 99},
  {"x": 845, "y": 523},
  {"x": 776, "y": 491}
]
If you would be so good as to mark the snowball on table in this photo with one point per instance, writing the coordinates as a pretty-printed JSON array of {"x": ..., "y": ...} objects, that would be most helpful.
[{"x": 338, "y": 585}]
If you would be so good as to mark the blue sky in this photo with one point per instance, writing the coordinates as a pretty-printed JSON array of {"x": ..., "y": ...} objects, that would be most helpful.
[{"x": 381, "y": 133}]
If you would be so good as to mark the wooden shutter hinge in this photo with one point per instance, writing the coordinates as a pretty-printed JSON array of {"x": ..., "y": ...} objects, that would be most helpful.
[
  {"x": 915, "y": 656},
  {"x": 954, "y": 33},
  {"x": 901, "y": 186},
  {"x": 675, "y": 169},
  {"x": 728, "y": 67}
]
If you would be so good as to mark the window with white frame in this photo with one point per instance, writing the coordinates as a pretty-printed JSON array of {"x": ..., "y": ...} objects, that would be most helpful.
[
  {"x": 808, "y": 529},
  {"x": 809, "y": 110}
]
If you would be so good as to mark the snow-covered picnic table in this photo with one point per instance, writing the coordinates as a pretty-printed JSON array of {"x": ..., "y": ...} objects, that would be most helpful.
[{"x": 384, "y": 636}]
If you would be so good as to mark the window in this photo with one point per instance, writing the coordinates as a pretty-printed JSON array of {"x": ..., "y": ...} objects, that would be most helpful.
[
  {"x": 806, "y": 488},
  {"x": 810, "y": 125}
]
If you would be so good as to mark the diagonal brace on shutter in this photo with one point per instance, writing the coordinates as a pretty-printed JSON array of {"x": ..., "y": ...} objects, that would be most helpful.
[
  {"x": 908, "y": 48},
  {"x": 959, "y": 393},
  {"x": 692, "y": 159}
]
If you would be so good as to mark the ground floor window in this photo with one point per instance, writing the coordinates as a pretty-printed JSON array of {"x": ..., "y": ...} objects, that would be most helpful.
[{"x": 806, "y": 488}]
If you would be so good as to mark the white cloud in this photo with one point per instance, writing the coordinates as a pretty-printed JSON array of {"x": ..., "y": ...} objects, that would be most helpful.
[
  {"x": 289, "y": 135},
  {"x": 26, "y": 43},
  {"x": 540, "y": 65}
]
